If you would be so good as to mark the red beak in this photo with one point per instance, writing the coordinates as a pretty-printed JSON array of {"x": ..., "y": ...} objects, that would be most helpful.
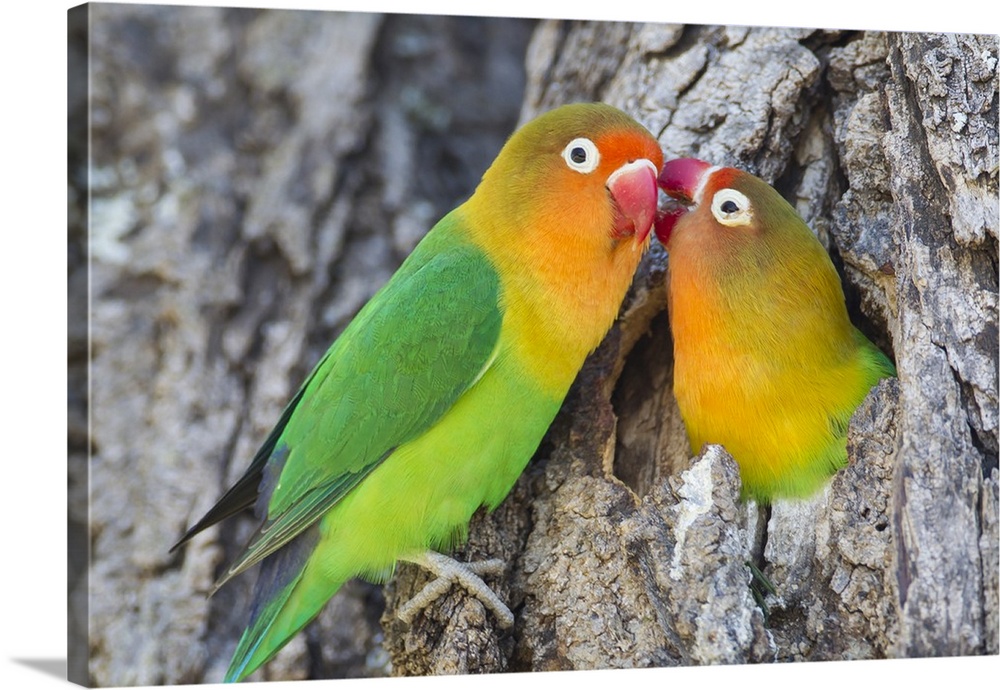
[
  {"x": 633, "y": 190},
  {"x": 682, "y": 179},
  {"x": 666, "y": 218}
]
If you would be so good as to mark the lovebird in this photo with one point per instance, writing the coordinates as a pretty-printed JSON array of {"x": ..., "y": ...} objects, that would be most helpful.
[
  {"x": 433, "y": 399},
  {"x": 766, "y": 360}
]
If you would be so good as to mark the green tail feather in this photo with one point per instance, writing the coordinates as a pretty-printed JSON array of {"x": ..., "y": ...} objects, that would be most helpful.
[
  {"x": 286, "y": 598},
  {"x": 251, "y": 652}
]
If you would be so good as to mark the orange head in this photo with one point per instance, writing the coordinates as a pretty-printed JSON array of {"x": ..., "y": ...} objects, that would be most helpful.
[
  {"x": 565, "y": 213},
  {"x": 584, "y": 172}
]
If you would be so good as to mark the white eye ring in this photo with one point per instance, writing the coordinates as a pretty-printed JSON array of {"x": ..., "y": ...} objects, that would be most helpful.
[
  {"x": 731, "y": 208},
  {"x": 582, "y": 155}
]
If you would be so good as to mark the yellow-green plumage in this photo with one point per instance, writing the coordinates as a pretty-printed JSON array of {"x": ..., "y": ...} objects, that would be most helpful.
[
  {"x": 433, "y": 399},
  {"x": 766, "y": 360}
]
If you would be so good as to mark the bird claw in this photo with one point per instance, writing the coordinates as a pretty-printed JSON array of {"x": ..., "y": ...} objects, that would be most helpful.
[{"x": 449, "y": 571}]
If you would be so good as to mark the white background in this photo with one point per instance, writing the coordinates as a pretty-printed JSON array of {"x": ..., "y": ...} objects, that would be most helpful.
[{"x": 33, "y": 335}]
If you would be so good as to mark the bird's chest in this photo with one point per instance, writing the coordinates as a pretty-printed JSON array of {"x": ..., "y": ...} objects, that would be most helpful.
[
  {"x": 725, "y": 370},
  {"x": 550, "y": 330}
]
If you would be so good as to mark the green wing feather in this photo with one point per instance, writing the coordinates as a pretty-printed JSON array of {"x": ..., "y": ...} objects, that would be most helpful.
[{"x": 420, "y": 342}]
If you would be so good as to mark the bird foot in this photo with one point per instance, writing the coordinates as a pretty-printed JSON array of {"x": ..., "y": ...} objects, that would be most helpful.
[{"x": 448, "y": 572}]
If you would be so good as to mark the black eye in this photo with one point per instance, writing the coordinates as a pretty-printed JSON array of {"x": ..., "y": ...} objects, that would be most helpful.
[
  {"x": 731, "y": 208},
  {"x": 581, "y": 155}
]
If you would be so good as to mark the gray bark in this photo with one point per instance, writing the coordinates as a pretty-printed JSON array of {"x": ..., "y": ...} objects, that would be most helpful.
[{"x": 256, "y": 175}]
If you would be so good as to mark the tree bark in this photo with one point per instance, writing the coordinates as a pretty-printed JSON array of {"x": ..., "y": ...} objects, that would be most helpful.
[{"x": 256, "y": 175}]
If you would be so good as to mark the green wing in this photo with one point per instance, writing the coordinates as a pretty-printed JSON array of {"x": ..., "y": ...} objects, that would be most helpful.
[{"x": 420, "y": 343}]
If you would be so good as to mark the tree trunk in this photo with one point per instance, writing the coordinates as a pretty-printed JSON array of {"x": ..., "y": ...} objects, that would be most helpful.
[{"x": 257, "y": 175}]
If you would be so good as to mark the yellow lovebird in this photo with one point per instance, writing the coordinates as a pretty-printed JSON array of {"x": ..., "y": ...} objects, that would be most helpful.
[
  {"x": 433, "y": 399},
  {"x": 766, "y": 360}
]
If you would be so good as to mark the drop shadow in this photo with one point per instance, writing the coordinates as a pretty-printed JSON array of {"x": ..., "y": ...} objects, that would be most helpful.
[{"x": 50, "y": 667}]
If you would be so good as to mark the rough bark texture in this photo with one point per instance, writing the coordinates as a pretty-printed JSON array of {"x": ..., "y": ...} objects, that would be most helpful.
[{"x": 257, "y": 175}]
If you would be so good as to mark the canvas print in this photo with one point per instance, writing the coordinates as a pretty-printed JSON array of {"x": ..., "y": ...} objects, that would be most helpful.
[{"x": 423, "y": 345}]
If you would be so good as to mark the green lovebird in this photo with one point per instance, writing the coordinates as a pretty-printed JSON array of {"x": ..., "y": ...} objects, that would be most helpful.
[
  {"x": 433, "y": 399},
  {"x": 766, "y": 360}
]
